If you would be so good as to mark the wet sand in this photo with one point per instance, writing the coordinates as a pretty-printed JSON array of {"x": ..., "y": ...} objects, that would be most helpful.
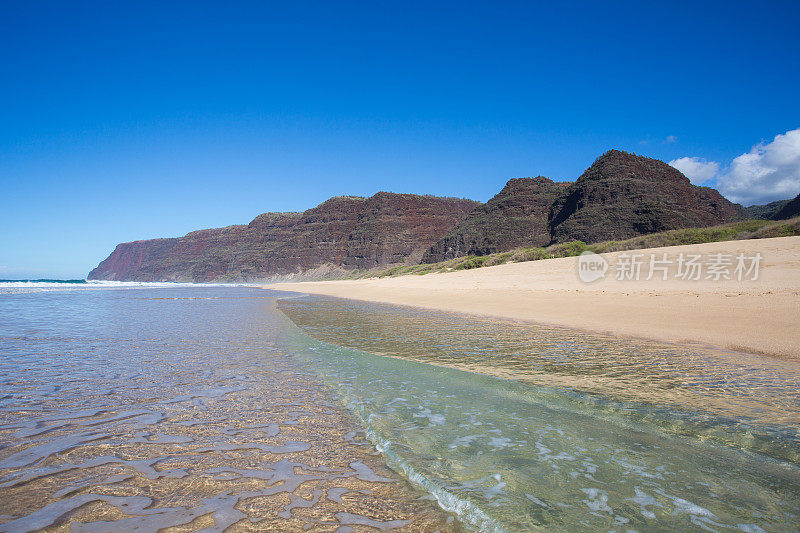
[
  {"x": 299, "y": 465},
  {"x": 765, "y": 390},
  {"x": 163, "y": 411},
  {"x": 753, "y": 316},
  {"x": 587, "y": 425}
]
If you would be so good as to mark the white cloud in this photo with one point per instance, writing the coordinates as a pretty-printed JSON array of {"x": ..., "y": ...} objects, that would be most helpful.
[
  {"x": 698, "y": 170},
  {"x": 766, "y": 173},
  {"x": 671, "y": 139}
]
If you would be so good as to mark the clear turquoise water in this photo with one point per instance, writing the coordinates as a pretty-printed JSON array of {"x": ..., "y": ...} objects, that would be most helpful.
[
  {"x": 175, "y": 404},
  {"x": 133, "y": 408},
  {"x": 717, "y": 449}
]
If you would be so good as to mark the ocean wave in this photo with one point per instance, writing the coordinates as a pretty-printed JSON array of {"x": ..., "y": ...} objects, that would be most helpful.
[
  {"x": 468, "y": 512},
  {"x": 45, "y": 285},
  {"x": 502, "y": 454}
]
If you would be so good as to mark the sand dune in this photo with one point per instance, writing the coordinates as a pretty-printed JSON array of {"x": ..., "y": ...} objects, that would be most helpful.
[{"x": 759, "y": 316}]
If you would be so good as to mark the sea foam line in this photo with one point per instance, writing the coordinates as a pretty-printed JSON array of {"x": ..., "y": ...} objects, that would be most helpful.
[{"x": 468, "y": 512}]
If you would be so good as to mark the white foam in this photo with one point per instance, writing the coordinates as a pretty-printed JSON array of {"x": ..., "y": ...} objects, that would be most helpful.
[{"x": 22, "y": 287}]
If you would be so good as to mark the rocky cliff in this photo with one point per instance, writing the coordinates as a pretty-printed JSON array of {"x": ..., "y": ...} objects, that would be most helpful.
[
  {"x": 623, "y": 195},
  {"x": 765, "y": 211},
  {"x": 516, "y": 216},
  {"x": 342, "y": 233},
  {"x": 790, "y": 209}
]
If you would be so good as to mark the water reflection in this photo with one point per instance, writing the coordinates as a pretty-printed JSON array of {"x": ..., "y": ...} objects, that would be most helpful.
[
  {"x": 588, "y": 439},
  {"x": 734, "y": 385},
  {"x": 144, "y": 409}
]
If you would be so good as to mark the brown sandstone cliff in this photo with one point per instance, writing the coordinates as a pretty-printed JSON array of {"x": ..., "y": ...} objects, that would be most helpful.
[
  {"x": 623, "y": 195},
  {"x": 517, "y": 216},
  {"x": 342, "y": 233}
]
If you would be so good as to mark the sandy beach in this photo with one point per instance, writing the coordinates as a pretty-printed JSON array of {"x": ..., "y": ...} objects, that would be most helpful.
[{"x": 758, "y": 316}]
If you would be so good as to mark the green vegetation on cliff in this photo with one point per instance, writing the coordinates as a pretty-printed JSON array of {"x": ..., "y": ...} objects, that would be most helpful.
[
  {"x": 746, "y": 229},
  {"x": 622, "y": 199},
  {"x": 516, "y": 216}
]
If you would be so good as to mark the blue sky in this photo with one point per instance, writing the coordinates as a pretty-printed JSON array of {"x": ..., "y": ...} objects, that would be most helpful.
[{"x": 123, "y": 121}]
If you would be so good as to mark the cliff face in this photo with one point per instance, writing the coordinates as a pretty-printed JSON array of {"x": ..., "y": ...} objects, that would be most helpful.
[
  {"x": 620, "y": 196},
  {"x": 516, "y": 216},
  {"x": 130, "y": 259},
  {"x": 399, "y": 228},
  {"x": 765, "y": 211},
  {"x": 624, "y": 195},
  {"x": 343, "y": 232},
  {"x": 790, "y": 210}
]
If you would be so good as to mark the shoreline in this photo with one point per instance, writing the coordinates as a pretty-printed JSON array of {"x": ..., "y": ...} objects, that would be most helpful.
[{"x": 755, "y": 316}]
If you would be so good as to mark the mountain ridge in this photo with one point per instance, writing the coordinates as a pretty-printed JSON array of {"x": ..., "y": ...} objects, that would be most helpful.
[
  {"x": 621, "y": 195},
  {"x": 515, "y": 216},
  {"x": 789, "y": 209},
  {"x": 332, "y": 236}
]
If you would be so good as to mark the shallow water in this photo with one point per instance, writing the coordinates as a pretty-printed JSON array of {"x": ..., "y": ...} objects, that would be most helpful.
[
  {"x": 594, "y": 432},
  {"x": 125, "y": 407},
  {"x": 206, "y": 408}
]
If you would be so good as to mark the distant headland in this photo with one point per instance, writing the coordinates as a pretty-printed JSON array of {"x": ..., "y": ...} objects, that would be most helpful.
[{"x": 620, "y": 196}]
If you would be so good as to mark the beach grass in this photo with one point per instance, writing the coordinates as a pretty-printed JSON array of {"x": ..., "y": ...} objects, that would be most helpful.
[{"x": 746, "y": 229}]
